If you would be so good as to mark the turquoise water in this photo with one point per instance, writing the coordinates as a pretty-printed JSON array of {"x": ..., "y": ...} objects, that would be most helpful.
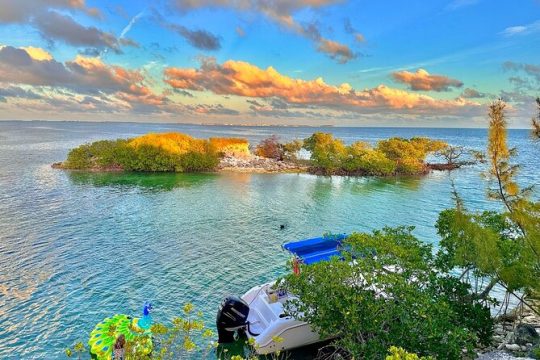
[{"x": 77, "y": 247}]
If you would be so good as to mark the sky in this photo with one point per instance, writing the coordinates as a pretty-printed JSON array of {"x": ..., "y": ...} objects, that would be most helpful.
[{"x": 435, "y": 63}]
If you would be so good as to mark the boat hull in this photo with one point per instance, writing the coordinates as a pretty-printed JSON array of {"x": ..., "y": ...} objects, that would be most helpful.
[{"x": 270, "y": 328}]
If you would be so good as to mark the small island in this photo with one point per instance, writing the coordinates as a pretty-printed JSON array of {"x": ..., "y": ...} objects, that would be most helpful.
[{"x": 177, "y": 152}]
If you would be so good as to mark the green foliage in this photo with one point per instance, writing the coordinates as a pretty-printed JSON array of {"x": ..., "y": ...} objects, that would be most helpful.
[
  {"x": 409, "y": 155},
  {"x": 391, "y": 294},
  {"x": 177, "y": 341},
  {"x": 327, "y": 153},
  {"x": 291, "y": 149},
  {"x": 364, "y": 160},
  {"x": 121, "y": 155},
  {"x": 391, "y": 156},
  {"x": 500, "y": 247},
  {"x": 401, "y": 354}
]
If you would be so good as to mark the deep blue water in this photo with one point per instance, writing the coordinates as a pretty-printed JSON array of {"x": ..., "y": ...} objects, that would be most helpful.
[{"x": 77, "y": 247}]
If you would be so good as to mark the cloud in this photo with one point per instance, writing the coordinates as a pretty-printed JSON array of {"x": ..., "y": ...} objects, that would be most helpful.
[
  {"x": 21, "y": 11},
  {"x": 458, "y": 4},
  {"x": 335, "y": 50},
  {"x": 82, "y": 75},
  {"x": 359, "y": 38},
  {"x": 522, "y": 29},
  {"x": 37, "y": 53},
  {"x": 18, "y": 92},
  {"x": 183, "y": 93},
  {"x": 422, "y": 80},
  {"x": 58, "y": 26},
  {"x": 529, "y": 69},
  {"x": 130, "y": 24},
  {"x": 241, "y": 32},
  {"x": 469, "y": 93},
  {"x": 281, "y": 12},
  {"x": 55, "y": 26},
  {"x": 349, "y": 29},
  {"x": 200, "y": 39},
  {"x": 244, "y": 79},
  {"x": 277, "y": 10},
  {"x": 215, "y": 109}
]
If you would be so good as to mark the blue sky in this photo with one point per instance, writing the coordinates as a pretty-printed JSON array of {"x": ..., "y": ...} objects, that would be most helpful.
[{"x": 304, "y": 62}]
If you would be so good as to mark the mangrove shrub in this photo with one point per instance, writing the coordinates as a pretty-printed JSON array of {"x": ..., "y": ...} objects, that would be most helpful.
[{"x": 389, "y": 291}]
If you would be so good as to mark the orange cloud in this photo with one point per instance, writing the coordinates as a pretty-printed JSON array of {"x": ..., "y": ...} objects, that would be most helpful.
[
  {"x": 82, "y": 75},
  {"x": 422, "y": 80},
  {"x": 37, "y": 53},
  {"x": 244, "y": 79}
]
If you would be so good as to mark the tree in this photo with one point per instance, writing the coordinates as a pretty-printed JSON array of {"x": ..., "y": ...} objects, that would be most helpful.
[
  {"x": 536, "y": 120},
  {"x": 389, "y": 290},
  {"x": 327, "y": 153},
  {"x": 168, "y": 152},
  {"x": 291, "y": 149},
  {"x": 409, "y": 154},
  {"x": 270, "y": 148},
  {"x": 451, "y": 154},
  {"x": 502, "y": 247}
]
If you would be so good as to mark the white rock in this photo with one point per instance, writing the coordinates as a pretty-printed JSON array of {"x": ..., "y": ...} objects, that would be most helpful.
[{"x": 512, "y": 347}]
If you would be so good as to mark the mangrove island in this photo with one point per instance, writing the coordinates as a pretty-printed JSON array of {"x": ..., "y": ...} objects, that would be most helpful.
[{"x": 327, "y": 155}]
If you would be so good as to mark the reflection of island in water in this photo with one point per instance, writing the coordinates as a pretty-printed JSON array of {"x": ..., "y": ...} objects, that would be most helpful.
[
  {"x": 322, "y": 185},
  {"x": 157, "y": 181},
  {"x": 327, "y": 186}
]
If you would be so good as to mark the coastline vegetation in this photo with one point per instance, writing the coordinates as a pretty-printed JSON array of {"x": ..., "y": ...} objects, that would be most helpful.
[
  {"x": 167, "y": 152},
  {"x": 394, "y": 156},
  {"x": 176, "y": 152},
  {"x": 425, "y": 307},
  {"x": 394, "y": 297}
]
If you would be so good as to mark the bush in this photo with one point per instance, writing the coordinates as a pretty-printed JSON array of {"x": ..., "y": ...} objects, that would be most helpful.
[
  {"x": 327, "y": 153},
  {"x": 397, "y": 297},
  {"x": 270, "y": 148},
  {"x": 236, "y": 147},
  {"x": 366, "y": 161},
  {"x": 103, "y": 153},
  {"x": 409, "y": 155},
  {"x": 391, "y": 156},
  {"x": 169, "y": 152}
]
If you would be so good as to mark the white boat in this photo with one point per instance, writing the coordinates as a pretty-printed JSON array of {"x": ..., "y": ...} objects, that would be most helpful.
[{"x": 260, "y": 311}]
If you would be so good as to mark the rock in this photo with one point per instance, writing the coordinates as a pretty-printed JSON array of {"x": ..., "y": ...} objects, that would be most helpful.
[
  {"x": 525, "y": 333},
  {"x": 497, "y": 355},
  {"x": 507, "y": 317},
  {"x": 512, "y": 347}
]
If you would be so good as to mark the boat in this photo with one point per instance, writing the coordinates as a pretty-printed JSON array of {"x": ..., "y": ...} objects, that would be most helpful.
[{"x": 260, "y": 312}]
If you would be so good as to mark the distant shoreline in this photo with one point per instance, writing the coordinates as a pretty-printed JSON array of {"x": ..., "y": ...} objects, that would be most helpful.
[{"x": 309, "y": 126}]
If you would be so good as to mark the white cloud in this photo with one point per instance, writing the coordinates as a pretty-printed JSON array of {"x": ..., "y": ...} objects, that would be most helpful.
[{"x": 522, "y": 29}]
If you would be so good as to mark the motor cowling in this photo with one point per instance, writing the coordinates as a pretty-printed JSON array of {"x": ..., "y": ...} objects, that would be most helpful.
[{"x": 231, "y": 316}]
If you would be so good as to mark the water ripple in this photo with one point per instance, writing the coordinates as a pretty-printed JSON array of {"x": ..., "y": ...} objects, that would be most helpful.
[{"x": 77, "y": 247}]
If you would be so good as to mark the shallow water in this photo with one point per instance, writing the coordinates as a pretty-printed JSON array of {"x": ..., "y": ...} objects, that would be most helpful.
[{"x": 77, "y": 247}]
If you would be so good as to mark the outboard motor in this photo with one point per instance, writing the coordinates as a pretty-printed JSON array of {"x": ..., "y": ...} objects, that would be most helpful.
[{"x": 231, "y": 316}]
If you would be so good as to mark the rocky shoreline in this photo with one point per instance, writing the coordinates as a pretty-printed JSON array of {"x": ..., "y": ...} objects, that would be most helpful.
[
  {"x": 516, "y": 336},
  {"x": 258, "y": 164}
]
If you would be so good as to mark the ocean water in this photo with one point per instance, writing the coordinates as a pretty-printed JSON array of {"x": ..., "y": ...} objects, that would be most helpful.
[{"x": 77, "y": 247}]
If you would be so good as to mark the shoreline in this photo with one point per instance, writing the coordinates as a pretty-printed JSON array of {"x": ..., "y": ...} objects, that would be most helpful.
[
  {"x": 259, "y": 165},
  {"x": 516, "y": 334}
]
